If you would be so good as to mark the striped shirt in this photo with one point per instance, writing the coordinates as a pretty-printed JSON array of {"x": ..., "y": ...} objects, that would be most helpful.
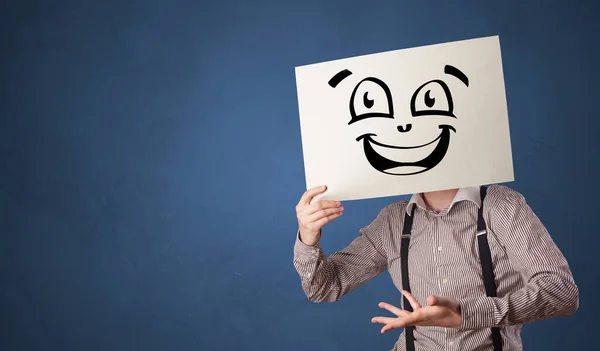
[{"x": 533, "y": 279}]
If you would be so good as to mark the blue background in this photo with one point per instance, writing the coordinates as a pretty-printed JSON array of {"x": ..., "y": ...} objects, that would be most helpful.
[{"x": 151, "y": 161}]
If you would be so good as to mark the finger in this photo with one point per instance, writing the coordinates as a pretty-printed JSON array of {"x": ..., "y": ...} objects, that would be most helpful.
[
  {"x": 395, "y": 310},
  {"x": 323, "y": 213},
  {"x": 439, "y": 301},
  {"x": 383, "y": 320},
  {"x": 443, "y": 301},
  {"x": 396, "y": 324},
  {"x": 413, "y": 302},
  {"x": 310, "y": 193},
  {"x": 322, "y": 205},
  {"x": 321, "y": 222}
]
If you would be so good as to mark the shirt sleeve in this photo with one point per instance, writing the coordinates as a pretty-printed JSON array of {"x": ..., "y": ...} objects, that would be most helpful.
[
  {"x": 549, "y": 289},
  {"x": 327, "y": 279}
]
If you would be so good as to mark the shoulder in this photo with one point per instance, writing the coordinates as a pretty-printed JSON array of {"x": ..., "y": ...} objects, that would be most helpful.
[
  {"x": 507, "y": 208},
  {"x": 396, "y": 209},
  {"x": 392, "y": 213},
  {"x": 500, "y": 196}
]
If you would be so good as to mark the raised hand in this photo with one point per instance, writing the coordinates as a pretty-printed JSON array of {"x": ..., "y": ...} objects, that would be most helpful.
[
  {"x": 312, "y": 217},
  {"x": 441, "y": 312}
]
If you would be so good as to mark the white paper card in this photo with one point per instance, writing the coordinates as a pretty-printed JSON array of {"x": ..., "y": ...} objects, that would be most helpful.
[{"x": 406, "y": 121}]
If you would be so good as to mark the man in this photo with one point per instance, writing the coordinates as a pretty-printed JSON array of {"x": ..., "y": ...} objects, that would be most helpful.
[{"x": 450, "y": 309}]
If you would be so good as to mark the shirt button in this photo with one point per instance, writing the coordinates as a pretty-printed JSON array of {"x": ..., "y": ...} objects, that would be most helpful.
[
  {"x": 439, "y": 248},
  {"x": 451, "y": 343},
  {"x": 445, "y": 281}
]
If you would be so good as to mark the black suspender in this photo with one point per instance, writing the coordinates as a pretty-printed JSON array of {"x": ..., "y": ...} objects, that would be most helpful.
[
  {"x": 485, "y": 257},
  {"x": 406, "y": 229},
  {"x": 487, "y": 269}
]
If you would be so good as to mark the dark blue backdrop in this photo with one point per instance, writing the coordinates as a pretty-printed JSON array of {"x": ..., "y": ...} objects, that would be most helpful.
[{"x": 151, "y": 161}]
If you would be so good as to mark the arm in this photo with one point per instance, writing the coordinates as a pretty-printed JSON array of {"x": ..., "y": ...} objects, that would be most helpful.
[
  {"x": 549, "y": 289},
  {"x": 328, "y": 279}
]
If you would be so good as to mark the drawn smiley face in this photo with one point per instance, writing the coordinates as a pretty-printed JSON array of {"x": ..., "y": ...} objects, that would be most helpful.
[{"x": 372, "y": 98}]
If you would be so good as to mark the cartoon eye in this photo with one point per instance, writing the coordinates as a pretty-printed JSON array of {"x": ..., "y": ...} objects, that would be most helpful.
[
  {"x": 432, "y": 98},
  {"x": 371, "y": 98}
]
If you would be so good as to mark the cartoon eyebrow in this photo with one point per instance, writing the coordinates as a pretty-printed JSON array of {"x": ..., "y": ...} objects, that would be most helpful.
[
  {"x": 457, "y": 73},
  {"x": 340, "y": 76}
]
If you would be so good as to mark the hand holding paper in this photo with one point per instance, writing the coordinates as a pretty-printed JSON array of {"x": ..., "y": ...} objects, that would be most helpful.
[{"x": 312, "y": 217}]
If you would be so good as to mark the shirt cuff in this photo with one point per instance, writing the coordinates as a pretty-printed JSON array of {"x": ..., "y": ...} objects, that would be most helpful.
[
  {"x": 477, "y": 313},
  {"x": 306, "y": 252}
]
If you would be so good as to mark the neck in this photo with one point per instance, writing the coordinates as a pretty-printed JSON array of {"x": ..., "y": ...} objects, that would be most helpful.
[{"x": 439, "y": 200}]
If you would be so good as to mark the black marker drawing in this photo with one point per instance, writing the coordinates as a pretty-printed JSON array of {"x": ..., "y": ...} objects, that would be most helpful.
[
  {"x": 382, "y": 109},
  {"x": 432, "y": 98},
  {"x": 423, "y": 94},
  {"x": 335, "y": 80}
]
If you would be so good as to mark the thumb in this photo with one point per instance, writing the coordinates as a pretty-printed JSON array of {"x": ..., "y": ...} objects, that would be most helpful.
[{"x": 437, "y": 301}]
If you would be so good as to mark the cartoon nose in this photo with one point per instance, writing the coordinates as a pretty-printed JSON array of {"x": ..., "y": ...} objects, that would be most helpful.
[{"x": 404, "y": 129}]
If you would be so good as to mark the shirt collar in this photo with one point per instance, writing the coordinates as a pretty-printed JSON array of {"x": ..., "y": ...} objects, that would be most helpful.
[{"x": 463, "y": 194}]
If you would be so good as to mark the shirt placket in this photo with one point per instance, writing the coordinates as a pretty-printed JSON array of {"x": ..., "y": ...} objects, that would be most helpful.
[
  {"x": 440, "y": 251},
  {"x": 437, "y": 248}
]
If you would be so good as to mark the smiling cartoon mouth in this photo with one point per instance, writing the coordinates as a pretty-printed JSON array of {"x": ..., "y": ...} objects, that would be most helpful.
[{"x": 406, "y": 160}]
